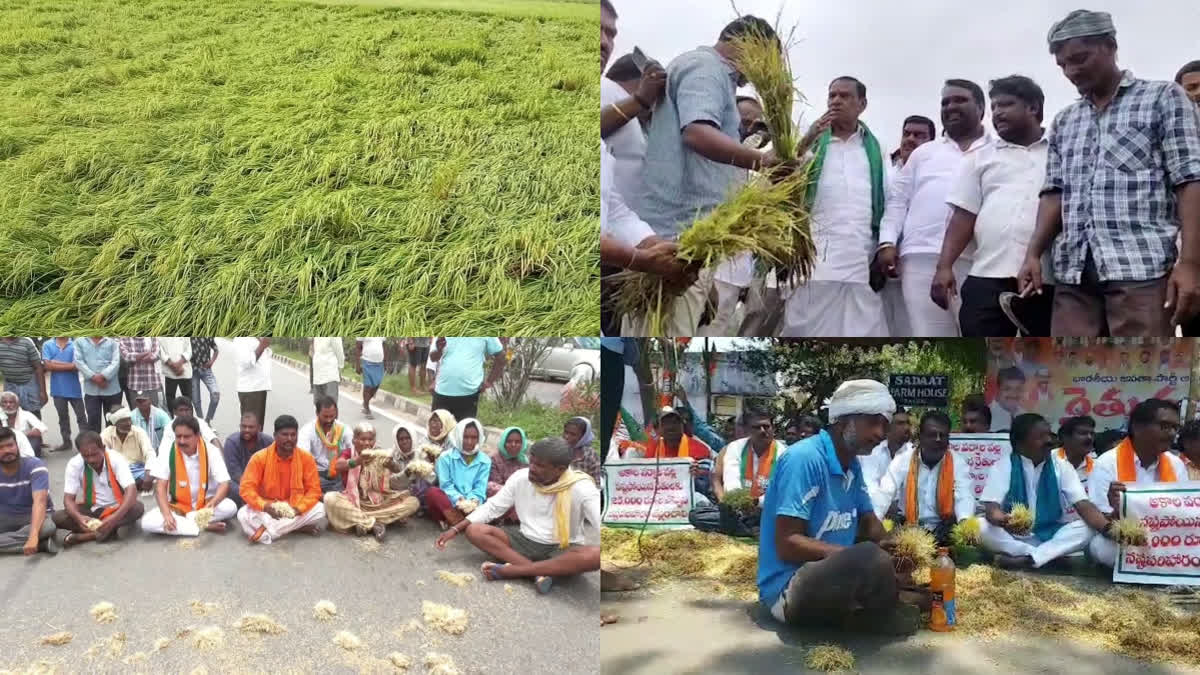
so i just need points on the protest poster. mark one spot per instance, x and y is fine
(650, 492)
(1061, 378)
(980, 452)
(1171, 514)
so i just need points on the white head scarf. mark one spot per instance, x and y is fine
(118, 415)
(456, 434)
(861, 397)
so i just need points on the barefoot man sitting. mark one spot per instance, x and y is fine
(99, 493)
(191, 482)
(559, 510)
(281, 488)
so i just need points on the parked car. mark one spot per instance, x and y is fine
(568, 356)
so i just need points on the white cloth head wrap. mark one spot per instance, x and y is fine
(861, 397)
(118, 415)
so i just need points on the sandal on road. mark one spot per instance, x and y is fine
(491, 570)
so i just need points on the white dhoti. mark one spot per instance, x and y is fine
(893, 308)
(684, 313)
(252, 519)
(925, 318)
(834, 309)
(1104, 550)
(1070, 538)
(185, 526)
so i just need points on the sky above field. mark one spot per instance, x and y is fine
(903, 51)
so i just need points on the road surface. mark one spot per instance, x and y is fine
(152, 580)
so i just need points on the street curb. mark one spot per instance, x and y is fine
(405, 405)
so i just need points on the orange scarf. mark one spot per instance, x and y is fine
(945, 488)
(271, 489)
(332, 443)
(89, 487)
(765, 464)
(1127, 469)
(663, 452)
(1088, 463)
(180, 491)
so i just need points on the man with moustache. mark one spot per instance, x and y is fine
(26, 526)
(1188, 77)
(1122, 182)
(994, 206)
(917, 212)
(916, 131)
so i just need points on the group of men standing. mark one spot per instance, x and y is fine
(1087, 228)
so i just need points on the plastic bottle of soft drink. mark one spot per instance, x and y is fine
(941, 583)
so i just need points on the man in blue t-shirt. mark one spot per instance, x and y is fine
(810, 568)
(58, 356)
(460, 379)
(25, 523)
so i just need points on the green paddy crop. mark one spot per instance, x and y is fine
(249, 167)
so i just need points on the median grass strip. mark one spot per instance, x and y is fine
(239, 167)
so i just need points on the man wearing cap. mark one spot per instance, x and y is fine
(674, 442)
(149, 418)
(133, 443)
(1122, 184)
(810, 570)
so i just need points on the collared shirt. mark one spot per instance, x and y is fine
(460, 480)
(460, 370)
(809, 484)
(143, 375)
(73, 480)
(136, 447)
(874, 466)
(308, 440)
(103, 358)
(206, 432)
(25, 422)
(841, 213)
(678, 185)
(18, 358)
(237, 454)
(1070, 491)
(254, 374)
(536, 511)
(894, 485)
(172, 349)
(203, 349)
(1000, 183)
(627, 144)
(617, 220)
(63, 384)
(328, 359)
(1104, 474)
(917, 213)
(155, 426)
(217, 473)
(732, 476)
(1117, 170)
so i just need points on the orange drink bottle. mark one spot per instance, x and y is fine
(941, 583)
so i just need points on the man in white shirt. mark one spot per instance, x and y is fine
(184, 411)
(328, 359)
(1064, 521)
(546, 546)
(325, 438)
(916, 215)
(1141, 458)
(1078, 437)
(760, 449)
(27, 425)
(994, 207)
(176, 356)
(99, 493)
(916, 131)
(253, 374)
(191, 476)
(624, 93)
(875, 465)
(849, 167)
(1010, 390)
(929, 482)
(368, 362)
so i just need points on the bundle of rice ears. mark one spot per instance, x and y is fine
(1129, 532)
(965, 533)
(914, 545)
(1020, 519)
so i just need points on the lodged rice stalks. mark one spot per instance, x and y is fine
(1020, 520)
(324, 610)
(740, 500)
(259, 624)
(104, 612)
(1130, 532)
(914, 547)
(445, 618)
(965, 533)
(766, 66)
(203, 517)
(285, 509)
(829, 658)
(419, 468)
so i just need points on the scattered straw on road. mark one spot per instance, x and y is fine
(445, 618)
(347, 640)
(324, 610)
(57, 639)
(829, 658)
(104, 612)
(455, 578)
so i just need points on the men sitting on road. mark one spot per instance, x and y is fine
(749, 462)
(25, 505)
(875, 465)
(1063, 518)
(462, 474)
(185, 410)
(367, 504)
(100, 494)
(1077, 435)
(150, 418)
(132, 443)
(1140, 458)
(1189, 448)
(18, 419)
(281, 488)
(929, 482)
(192, 487)
(559, 511)
(810, 570)
(326, 438)
(238, 450)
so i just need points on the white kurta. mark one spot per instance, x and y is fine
(731, 474)
(1104, 474)
(874, 466)
(894, 486)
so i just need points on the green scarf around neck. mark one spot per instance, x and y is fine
(874, 162)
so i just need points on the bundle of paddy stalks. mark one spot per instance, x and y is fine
(965, 533)
(445, 618)
(203, 517)
(467, 505)
(914, 548)
(829, 658)
(324, 610)
(1020, 520)
(1130, 532)
(347, 640)
(259, 624)
(740, 500)
(104, 612)
(440, 664)
(419, 468)
(431, 451)
(284, 509)
(93, 524)
(58, 639)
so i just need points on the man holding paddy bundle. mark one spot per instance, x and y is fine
(845, 198)
(99, 493)
(1046, 484)
(811, 571)
(326, 438)
(192, 488)
(929, 482)
(281, 489)
(1139, 459)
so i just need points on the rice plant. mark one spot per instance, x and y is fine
(240, 167)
